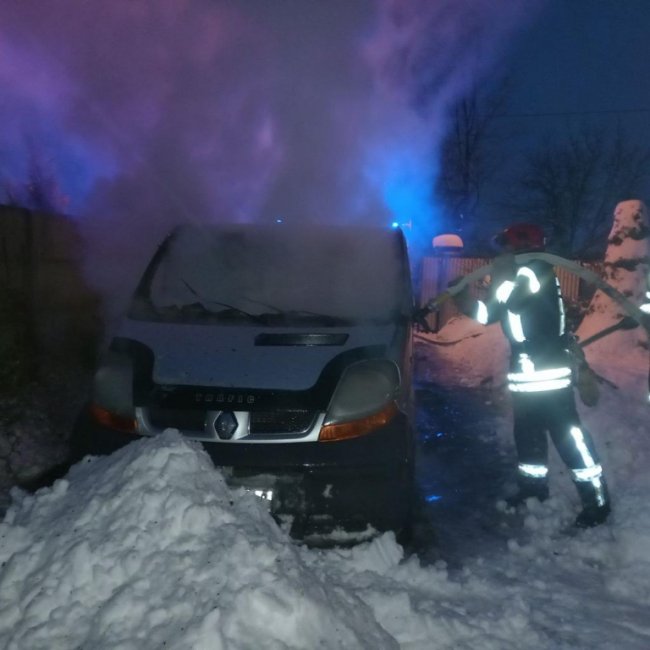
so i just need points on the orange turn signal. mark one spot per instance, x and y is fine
(113, 421)
(332, 432)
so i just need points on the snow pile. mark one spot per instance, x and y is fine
(149, 548)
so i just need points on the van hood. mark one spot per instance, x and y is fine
(287, 358)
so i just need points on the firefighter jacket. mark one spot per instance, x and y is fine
(528, 303)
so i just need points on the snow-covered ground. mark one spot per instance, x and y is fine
(150, 549)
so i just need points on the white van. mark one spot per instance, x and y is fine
(287, 353)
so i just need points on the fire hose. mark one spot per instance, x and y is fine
(635, 316)
(634, 312)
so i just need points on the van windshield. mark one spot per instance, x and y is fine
(275, 276)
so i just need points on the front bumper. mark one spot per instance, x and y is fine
(320, 485)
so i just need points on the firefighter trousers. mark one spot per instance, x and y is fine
(553, 414)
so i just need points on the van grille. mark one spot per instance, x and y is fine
(183, 419)
(264, 423)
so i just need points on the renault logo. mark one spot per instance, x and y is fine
(225, 425)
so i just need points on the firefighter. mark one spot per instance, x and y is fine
(526, 299)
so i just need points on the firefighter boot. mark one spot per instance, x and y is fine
(595, 502)
(529, 488)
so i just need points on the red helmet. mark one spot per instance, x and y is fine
(521, 237)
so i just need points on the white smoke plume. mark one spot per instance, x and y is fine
(153, 112)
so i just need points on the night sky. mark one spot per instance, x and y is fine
(584, 59)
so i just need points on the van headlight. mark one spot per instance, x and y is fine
(363, 400)
(112, 401)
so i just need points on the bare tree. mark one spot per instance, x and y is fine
(571, 187)
(467, 161)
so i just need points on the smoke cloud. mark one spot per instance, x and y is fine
(155, 112)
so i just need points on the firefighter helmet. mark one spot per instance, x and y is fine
(521, 237)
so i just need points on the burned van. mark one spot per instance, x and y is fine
(284, 351)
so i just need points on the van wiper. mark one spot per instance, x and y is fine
(299, 314)
(228, 311)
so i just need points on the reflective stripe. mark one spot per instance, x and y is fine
(530, 380)
(538, 375)
(560, 306)
(581, 445)
(502, 294)
(482, 313)
(645, 308)
(536, 471)
(597, 484)
(515, 327)
(538, 387)
(504, 290)
(600, 491)
(588, 474)
(592, 471)
(532, 278)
